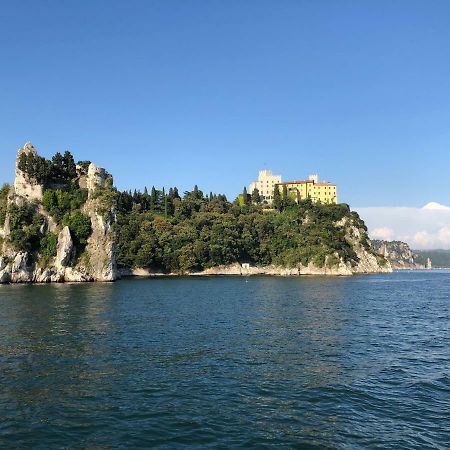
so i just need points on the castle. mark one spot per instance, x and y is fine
(312, 188)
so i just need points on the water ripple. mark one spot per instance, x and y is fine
(309, 363)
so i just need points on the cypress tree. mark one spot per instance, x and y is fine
(245, 196)
(285, 195)
(69, 166)
(276, 197)
(153, 198)
(164, 198)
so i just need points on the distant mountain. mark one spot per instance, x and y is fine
(439, 258)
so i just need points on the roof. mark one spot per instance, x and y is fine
(320, 183)
(297, 182)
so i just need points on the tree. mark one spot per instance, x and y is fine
(176, 194)
(277, 203)
(256, 198)
(153, 199)
(197, 193)
(80, 227)
(285, 195)
(35, 166)
(146, 201)
(164, 196)
(245, 196)
(4, 191)
(69, 166)
(57, 166)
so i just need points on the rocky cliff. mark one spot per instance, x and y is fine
(398, 254)
(59, 222)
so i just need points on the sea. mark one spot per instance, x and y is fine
(358, 362)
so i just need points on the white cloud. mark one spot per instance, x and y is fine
(435, 205)
(421, 228)
(384, 233)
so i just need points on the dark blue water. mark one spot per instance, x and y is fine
(361, 362)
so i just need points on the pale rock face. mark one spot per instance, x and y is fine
(101, 247)
(96, 177)
(64, 249)
(49, 223)
(20, 272)
(368, 263)
(6, 227)
(25, 188)
(48, 275)
(4, 272)
(77, 276)
(398, 253)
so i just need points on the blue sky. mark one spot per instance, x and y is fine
(182, 92)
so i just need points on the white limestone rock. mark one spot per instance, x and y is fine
(25, 188)
(64, 249)
(96, 177)
(77, 276)
(20, 271)
(398, 253)
(367, 261)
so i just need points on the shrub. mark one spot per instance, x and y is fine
(58, 202)
(80, 227)
(25, 226)
(4, 191)
(49, 244)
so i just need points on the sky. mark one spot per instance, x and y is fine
(209, 92)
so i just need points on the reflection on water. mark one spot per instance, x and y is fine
(357, 362)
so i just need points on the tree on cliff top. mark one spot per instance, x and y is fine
(61, 168)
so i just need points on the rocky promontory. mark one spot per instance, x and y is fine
(63, 221)
(58, 222)
(398, 253)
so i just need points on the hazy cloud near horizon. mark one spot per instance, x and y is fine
(422, 228)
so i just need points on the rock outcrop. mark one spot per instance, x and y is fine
(368, 259)
(64, 249)
(96, 263)
(398, 254)
(25, 188)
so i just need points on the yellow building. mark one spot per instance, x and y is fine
(323, 191)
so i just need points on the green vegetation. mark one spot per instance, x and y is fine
(80, 228)
(206, 231)
(277, 201)
(25, 224)
(105, 197)
(49, 244)
(256, 198)
(4, 190)
(60, 169)
(59, 203)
